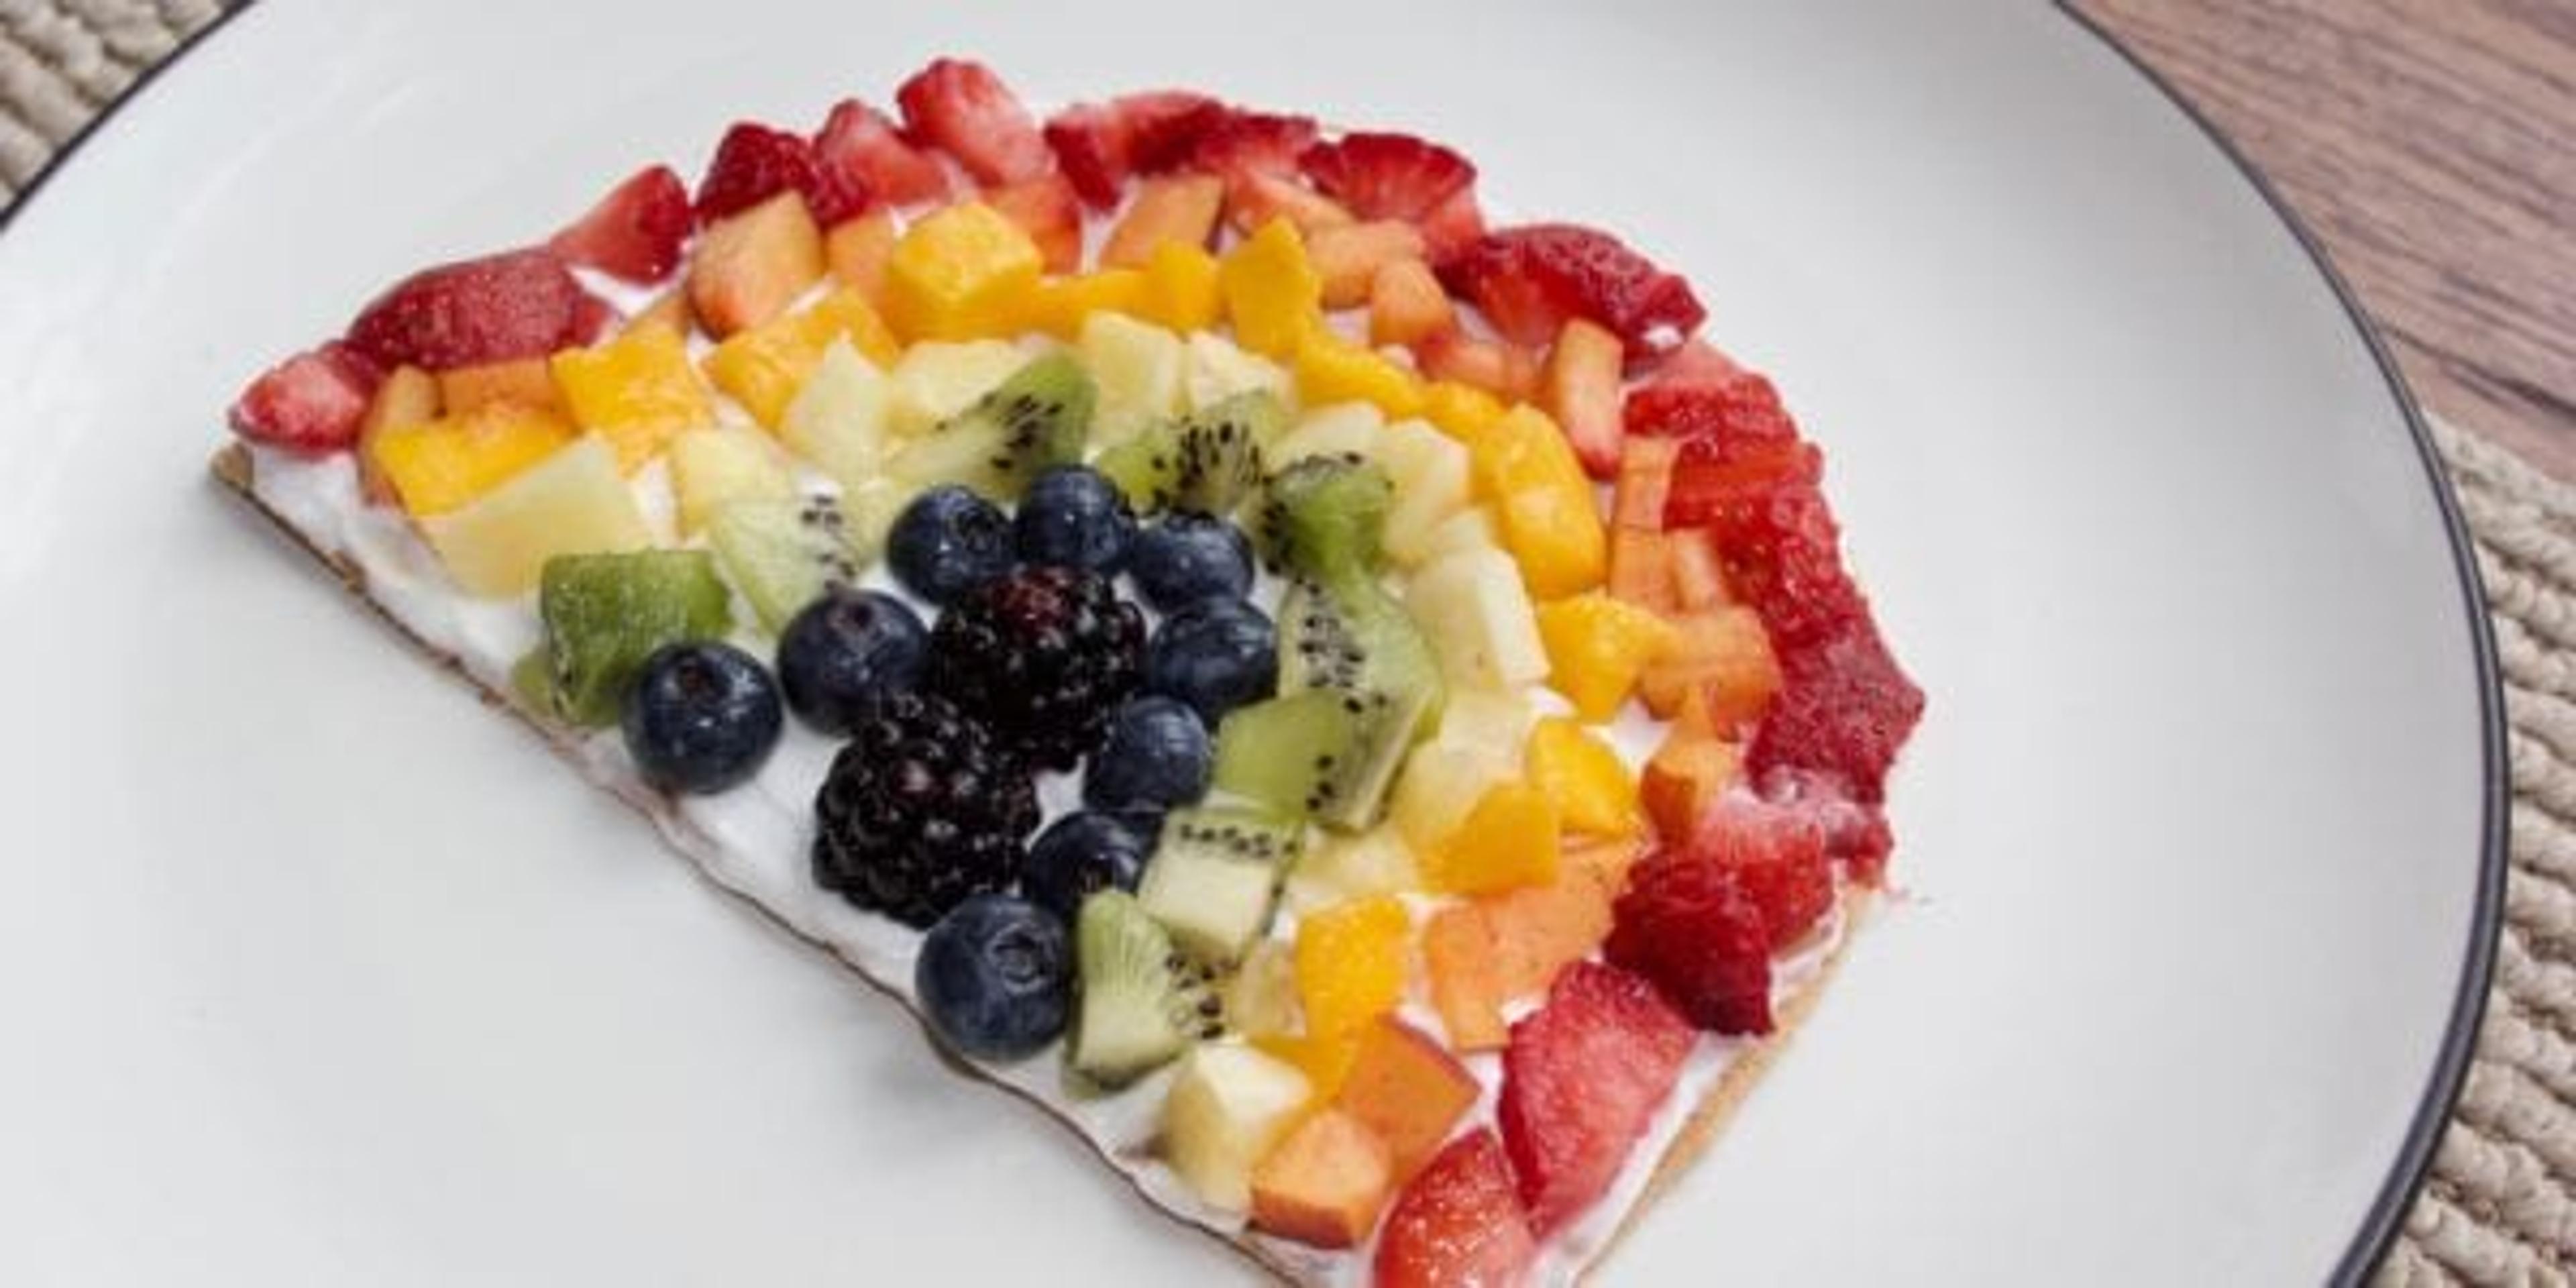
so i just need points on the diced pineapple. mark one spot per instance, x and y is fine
(573, 502)
(1342, 429)
(1219, 370)
(1138, 367)
(1430, 473)
(960, 274)
(715, 467)
(838, 420)
(1376, 861)
(1470, 529)
(1227, 1106)
(1473, 607)
(871, 509)
(936, 380)
(635, 391)
(1508, 840)
(1493, 721)
(1261, 999)
(1442, 781)
(764, 366)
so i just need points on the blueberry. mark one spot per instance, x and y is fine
(948, 542)
(1189, 557)
(1154, 755)
(1216, 655)
(1083, 853)
(1074, 518)
(844, 649)
(701, 717)
(995, 977)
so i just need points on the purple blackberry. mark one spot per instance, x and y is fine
(922, 808)
(1042, 656)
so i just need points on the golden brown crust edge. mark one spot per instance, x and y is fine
(234, 467)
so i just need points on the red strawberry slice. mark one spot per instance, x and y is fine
(1780, 553)
(1528, 280)
(1697, 362)
(635, 232)
(1242, 144)
(1046, 209)
(1458, 1223)
(1453, 226)
(1387, 176)
(1844, 710)
(859, 151)
(754, 163)
(1692, 927)
(1741, 406)
(1165, 126)
(1581, 1079)
(1780, 857)
(1099, 145)
(1856, 835)
(310, 404)
(963, 109)
(1713, 474)
(518, 304)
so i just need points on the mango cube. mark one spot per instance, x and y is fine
(1592, 788)
(1183, 290)
(1351, 963)
(635, 391)
(1463, 412)
(525, 381)
(764, 367)
(1060, 305)
(1597, 646)
(437, 466)
(1508, 840)
(1271, 293)
(959, 274)
(1331, 369)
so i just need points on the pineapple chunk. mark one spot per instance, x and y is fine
(1469, 529)
(936, 380)
(713, 468)
(1478, 616)
(1442, 782)
(1374, 862)
(1431, 476)
(1227, 1106)
(1139, 368)
(573, 502)
(837, 421)
(1343, 429)
(1219, 370)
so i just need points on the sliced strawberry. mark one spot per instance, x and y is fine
(1713, 474)
(752, 164)
(1455, 225)
(517, 304)
(1528, 280)
(1845, 708)
(965, 110)
(1239, 144)
(1581, 1079)
(1780, 858)
(1856, 835)
(1780, 553)
(635, 232)
(859, 151)
(1696, 362)
(1741, 406)
(311, 404)
(1458, 1223)
(1580, 389)
(1691, 927)
(1164, 126)
(1046, 209)
(1387, 176)
(1099, 145)
(592, 319)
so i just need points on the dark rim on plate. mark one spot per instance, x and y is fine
(2468, 1006)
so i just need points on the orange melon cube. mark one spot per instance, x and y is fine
(1331, 370)
(407, 396)
(1183, 289)
(1406, 1090)
(1641, 571)
(635, 391)
(751, 265)
(960, 274)
(1508, 840)
(1254, 200)
(1723, 656)
(1324, 1183)
(525, 381)
(1684, 777)
(1699, 578)
(1271, 292)
(1597, 646)
(442, 465)
(1592, 788)
(1179, 208)
(1465, 978)
(856, 251)
(764, 366)
(1645, 479)
(1537, 930)
(1351, 963)
(1507, 371)
(1348, 256)
(1406, 304)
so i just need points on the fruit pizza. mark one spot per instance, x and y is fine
(1356, 709)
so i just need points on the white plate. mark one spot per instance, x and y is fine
(314, 971)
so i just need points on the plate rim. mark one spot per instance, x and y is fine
(2433, 1110)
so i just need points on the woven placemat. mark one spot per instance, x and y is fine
(2500, 1205)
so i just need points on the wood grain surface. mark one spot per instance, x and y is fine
(2431, 145)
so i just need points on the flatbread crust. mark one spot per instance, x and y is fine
(237, 470)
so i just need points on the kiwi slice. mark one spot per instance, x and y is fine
(605, 614)
(1029, 423)
(1324, 517)
(1214, 878)
(1207, 461)
(1142, 1002)
(1324, 754)
(1352, 637)
(782, 555)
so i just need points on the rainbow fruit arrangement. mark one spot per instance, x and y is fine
(1356, 843)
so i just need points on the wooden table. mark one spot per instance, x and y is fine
(2431, 145)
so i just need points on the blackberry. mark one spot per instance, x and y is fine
(922, 809)
(1042, 656)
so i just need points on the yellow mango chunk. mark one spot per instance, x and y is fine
(764, 367)
(960, 274)
(635, 391)
(439, 465)
(1326, 1061)
(1592, 788)
(1059, 305)
(1551, 520)
(1272, 295)
(1507, 841)
(1182, 288)
(1351, 963)
(1597, 647)
(1332, 370)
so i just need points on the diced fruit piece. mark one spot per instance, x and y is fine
(1271, 293)
(1207, 461)
(1261, 998)
(1778, 854)
(1220, 370)
(1252, 200)
(1699, 577)
(1466, 979)
(1060, 305)
(1845, 708)
(764, 366)
(1528, 280)
(1645, 479)
(407, 396)
(1691, 927)
(634, 391)
(1540, 929)
(1508, 840)
(1480, 620)
(518, 304)
(754, 163)
(669, 310)
(1432, 482)
(1641, 570)
(1324, 1184)
(1348, 430)
(1442, 782)
(1779, 554)
(1388, 176)
(1323, 517)
(1183, 289)
(1307, 755)
(714, 467)
(312, 404)
(1139, 368)
(1712, 478)
(1227, 1107)
(1463, 412)
(1027, 425)
(1580, 388)
(1581, 1080)
(936, 380)
(1376, 861)
(1324, 1060)
(573, 502)
(837, 421)
(1351, 963)
(437, 466)
(857, 251)
(1733, 405)
(1099, 145)
(1406, 304)
(783, 553)
(1457, 1223)
(1348, 636)
(964, 110)
(751, 265)
(1214, 877)
(605, 614)
(1592, 788)
(959, 274)
(1684, 777)
(1136, 1010)
(1550, 520)
(1046, 209)
(1331, 369)
(528, 382)
(1472, 528)
(859, 150)
(1180, 208)
(1597, 646)
(1406, 1090)
(635, 232)
(1348, 257)
(1507, 371)
(1721, 658)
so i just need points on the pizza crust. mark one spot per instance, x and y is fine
(237, 470)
